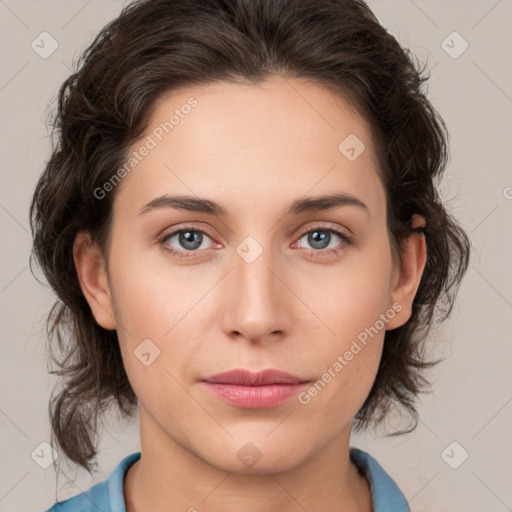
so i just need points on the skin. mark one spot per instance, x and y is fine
(253, 149)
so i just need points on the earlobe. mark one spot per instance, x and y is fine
(408, 275)
(92, 274)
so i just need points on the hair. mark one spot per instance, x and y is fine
(157, 46)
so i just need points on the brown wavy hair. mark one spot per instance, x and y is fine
(157, 46)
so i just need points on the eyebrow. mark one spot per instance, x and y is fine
(301, 205)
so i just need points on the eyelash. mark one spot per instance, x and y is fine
(346, 241)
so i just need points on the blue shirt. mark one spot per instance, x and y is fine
(107, 496)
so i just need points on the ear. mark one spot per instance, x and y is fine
(93, 277)
(407, 276)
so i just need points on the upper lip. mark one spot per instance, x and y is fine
(248, 378)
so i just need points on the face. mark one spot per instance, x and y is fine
(266, 282)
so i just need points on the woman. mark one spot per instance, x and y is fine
(241, 222)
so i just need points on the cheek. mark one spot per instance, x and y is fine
(350, 298)
(160, 310)
(346, 361)
(152, 298)
(350, 302)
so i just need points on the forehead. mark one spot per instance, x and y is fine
(247, 144)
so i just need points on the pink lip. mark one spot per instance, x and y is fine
(248, 390)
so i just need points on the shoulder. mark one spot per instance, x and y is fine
(106, 496)
(95, 499)
(386, 495)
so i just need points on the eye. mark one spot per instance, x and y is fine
(325, 240)
(188, 240)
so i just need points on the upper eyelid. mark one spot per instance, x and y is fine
(325, 227)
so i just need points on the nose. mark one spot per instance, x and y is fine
(257, 304)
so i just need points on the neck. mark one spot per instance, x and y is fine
(170, 477)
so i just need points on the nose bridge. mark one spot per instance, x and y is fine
(254, 309)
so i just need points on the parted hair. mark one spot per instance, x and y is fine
(103, 107)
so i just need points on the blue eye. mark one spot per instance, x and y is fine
(190, 241)
(320, 238)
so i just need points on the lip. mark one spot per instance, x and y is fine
(248, 378)
(254, 390)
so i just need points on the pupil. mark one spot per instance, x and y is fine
(317, 239)
(190, 239)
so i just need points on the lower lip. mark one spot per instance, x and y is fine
(254, 397)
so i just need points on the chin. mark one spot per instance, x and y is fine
(253, 458)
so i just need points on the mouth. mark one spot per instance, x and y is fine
(260, 390)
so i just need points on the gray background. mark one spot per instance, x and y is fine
(472, 393)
